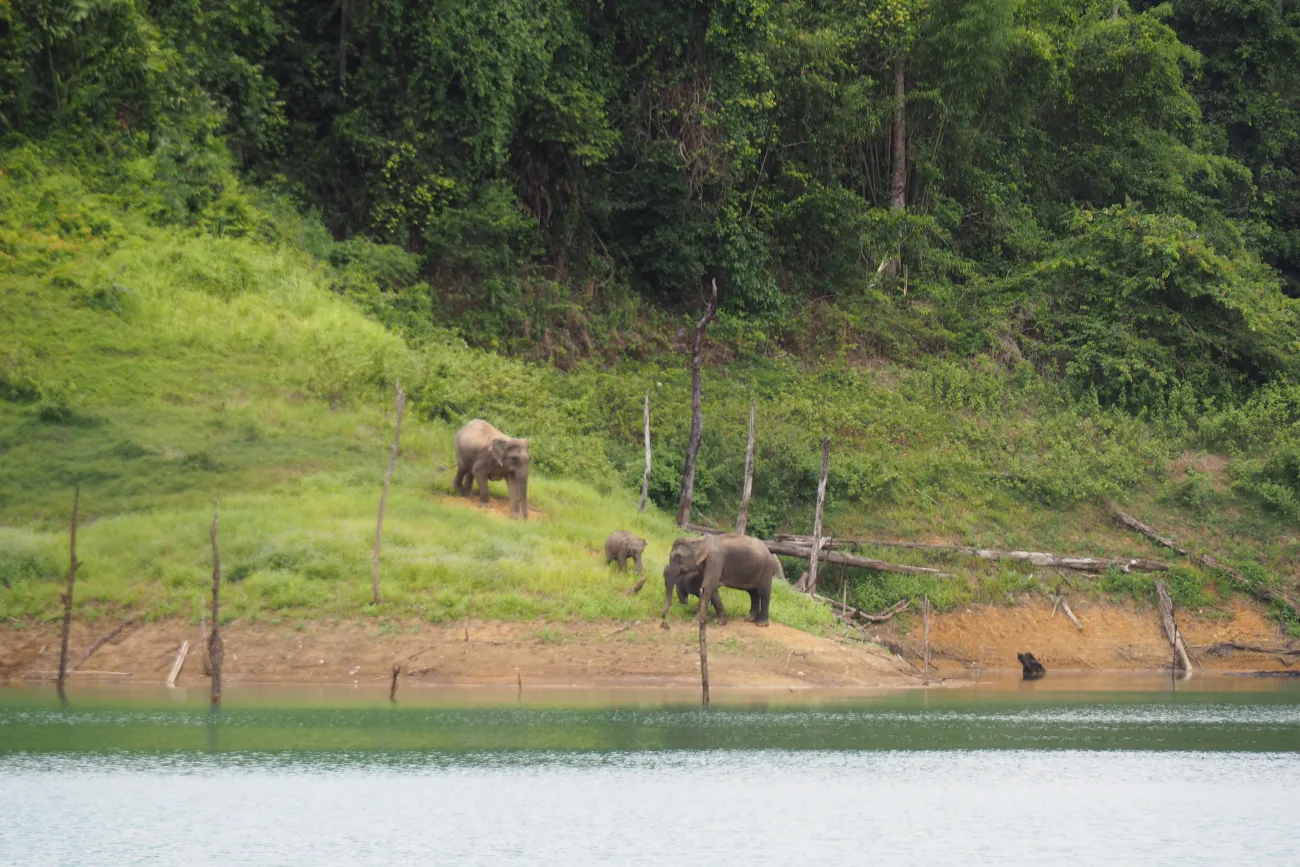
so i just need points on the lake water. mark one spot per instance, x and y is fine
(1122, 772)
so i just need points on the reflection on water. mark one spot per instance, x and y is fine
(989, 776)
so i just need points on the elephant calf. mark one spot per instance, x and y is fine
(726, 560)
(483, 453)
(622, 546)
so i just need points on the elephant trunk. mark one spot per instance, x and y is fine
(520, 493)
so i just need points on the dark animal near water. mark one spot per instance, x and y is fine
(1033, 669)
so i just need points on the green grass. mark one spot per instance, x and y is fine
(161, 366)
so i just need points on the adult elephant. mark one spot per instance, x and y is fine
(726, 560)
(483, 453)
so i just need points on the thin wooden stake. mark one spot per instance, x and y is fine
(67, 597)
(814, 558)
(203, 632)
(519, 682)
(742, 520)
(697, 419)
(645, 479)
(178, 664)
(383, 498)
(216, 648)
(392, 690)
(704, 658)
(925, 607)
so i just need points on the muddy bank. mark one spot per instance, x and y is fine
(493, 653)
(1115, 637)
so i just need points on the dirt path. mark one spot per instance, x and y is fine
(559, 654)
(1114, 637)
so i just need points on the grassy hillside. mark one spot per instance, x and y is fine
(247, 355)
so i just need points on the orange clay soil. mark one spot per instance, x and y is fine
(555, 654)
(1114, 637)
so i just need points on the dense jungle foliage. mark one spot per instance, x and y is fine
(1107, 190)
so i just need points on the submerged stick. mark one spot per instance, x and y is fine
(216, 648)
(383, 498)
(67, 597)
(704, 656)
(178, 664)
(392, 690)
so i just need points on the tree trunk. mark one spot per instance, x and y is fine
(1183, 661)
(67, 597)
(216, 650)
(704, 654)
(898, 190)
(645, 479)
(343, 42)
(742, 519)
(383, 498)
(1038, 558)
(697, 421)
(817, 517)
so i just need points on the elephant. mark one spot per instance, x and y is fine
(483, 453)
(725, 560)
(622, 546)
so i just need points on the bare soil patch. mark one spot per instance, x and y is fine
(559, 654)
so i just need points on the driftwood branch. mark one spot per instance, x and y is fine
(697, 420)
(383, 498)
(1171, 627)
(1037, 558)
(1266, 593)
(854, 613)
(791, 549)
(816, 542)
(1065, 607)
(742, 519)
(67, 596)
(102, 640)
(216, 648)
(178, 664)
(1226, 646)
(645, 479)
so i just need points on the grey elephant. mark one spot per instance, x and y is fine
(483, 453)
(701, 566)
(622, 546)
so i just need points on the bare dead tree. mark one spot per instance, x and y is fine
(216, 649)
(898, 188)
(697, 420)
(817, 517)
(742, 520)
(67, 597)
(102, 640)
(1182, 660)
(925, 606)
(383, 498)
(392, 690)
(645, 479)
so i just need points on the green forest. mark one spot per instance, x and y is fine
(1018, 258)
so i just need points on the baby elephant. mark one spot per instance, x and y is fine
(622, 546)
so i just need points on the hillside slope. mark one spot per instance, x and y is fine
(161, 366)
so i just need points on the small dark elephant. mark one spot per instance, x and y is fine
(622, 546)
(701, 566)
(483, 453)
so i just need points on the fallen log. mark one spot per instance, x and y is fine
(805, 551)
(1266, 593)
(1037, 558)
(1225, 646)
(1171, 627)
(102, 640)
(176, 666)
(1065, 607)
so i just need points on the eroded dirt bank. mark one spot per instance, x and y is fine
(559, 654)
(1114, 637)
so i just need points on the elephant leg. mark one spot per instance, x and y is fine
(721, 612)
(764, 600)
(668, 603)
(753, 606)
(481, 479)
(512, 491)
(637, 558)
(463, 481)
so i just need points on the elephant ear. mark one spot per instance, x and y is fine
(498, 449)
(701, 551)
